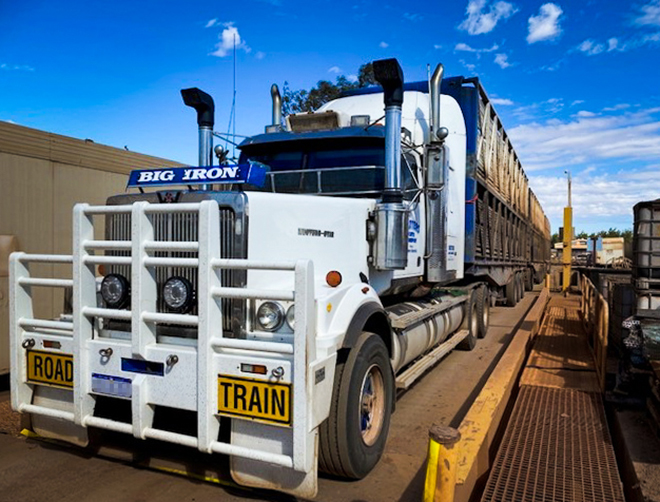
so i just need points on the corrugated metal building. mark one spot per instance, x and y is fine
(42, 175)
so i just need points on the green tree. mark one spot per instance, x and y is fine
(302, 100)
(555, 238)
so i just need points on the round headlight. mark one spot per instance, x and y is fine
(115, 291)
(290, 317)
(178, 294)
(270, 316)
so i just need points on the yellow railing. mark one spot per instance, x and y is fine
(458, 459)
(595, 316)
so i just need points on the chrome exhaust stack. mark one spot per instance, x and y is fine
(277, 105)
(437, 173)
(203, 104)
(391, 240)
(434, 91)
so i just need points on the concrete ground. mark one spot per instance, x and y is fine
(643, 449)
(32, 470)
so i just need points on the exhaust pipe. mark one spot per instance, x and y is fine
(277, 105)
(391, 244)
(389, 75)
(434, 88)
(203, 104)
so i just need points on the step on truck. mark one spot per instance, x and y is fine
(269, 309)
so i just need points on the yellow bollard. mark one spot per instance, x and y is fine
(441, 464)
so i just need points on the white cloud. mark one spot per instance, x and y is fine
(501, 101)
(229, 38)
(553, 66)
(352, 78)
(655, 37)
(613, 44)
(461, 47)
(334, 69)
(591, 48)
(585, 113)
(211, 23)
(479, 22)
(16, 67)
(615, 108)
(502, 60)
(413, 16)
(437, 46)
(627, 136)
(468, 66)
(600, 199)
(383, 45)
(649, 14)
(545, 26)
(260, 55)
(577, 102)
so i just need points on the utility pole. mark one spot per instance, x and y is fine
(567, 253)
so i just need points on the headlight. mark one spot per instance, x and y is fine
(290, 317)
(178, 294)
(115, 291)
(270, 316)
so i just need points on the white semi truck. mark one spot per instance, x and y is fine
(273, 320)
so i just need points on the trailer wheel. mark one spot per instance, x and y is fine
(471, 323)
(529, 280)
(353, 437)
(521, 286)
(511, 289)
(483, 310)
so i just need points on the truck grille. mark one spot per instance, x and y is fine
(180, 227)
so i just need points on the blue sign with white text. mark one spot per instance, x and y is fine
(253, 173)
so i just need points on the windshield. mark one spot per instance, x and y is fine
(348, 168)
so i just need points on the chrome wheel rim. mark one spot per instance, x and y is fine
(372, 405)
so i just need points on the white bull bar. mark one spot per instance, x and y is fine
(78, 337)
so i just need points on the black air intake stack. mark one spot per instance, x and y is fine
(391, 244)
(203, 104)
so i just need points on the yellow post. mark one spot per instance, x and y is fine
(568, 247)
(441, 463)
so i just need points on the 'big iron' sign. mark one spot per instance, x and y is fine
(253, 173)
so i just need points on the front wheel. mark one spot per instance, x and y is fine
(352, 439)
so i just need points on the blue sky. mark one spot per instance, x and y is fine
(576, 83)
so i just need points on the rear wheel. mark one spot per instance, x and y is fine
(521, 286)
(483, 310)
(511, 290)
(471, 323)
(353, 437)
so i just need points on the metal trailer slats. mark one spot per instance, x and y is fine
(504, 220)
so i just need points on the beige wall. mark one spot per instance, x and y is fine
(42, 175)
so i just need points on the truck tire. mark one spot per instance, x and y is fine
(353, 437)
(511, 290)
(471, 323)
(483, 310)
(529, 280)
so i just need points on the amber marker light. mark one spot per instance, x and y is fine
(103, 270)
(333, 278)
(259, 369)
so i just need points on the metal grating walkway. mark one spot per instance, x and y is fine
(557, 446)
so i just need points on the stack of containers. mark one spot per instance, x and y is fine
(646, 273)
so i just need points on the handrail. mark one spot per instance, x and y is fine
(595, 318)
